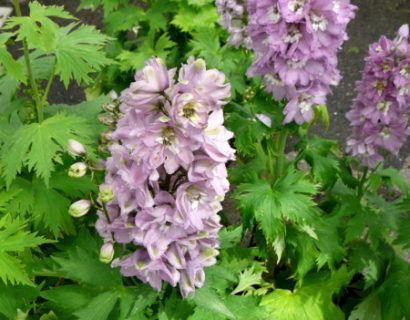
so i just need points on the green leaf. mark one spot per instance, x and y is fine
(68, 298)
(79, 51)
(83, 265)
(39, 145)
(191, 19)
(16, 297)
(247, 279)
(99, 307)
(14, 68)
(368, 309)
(15, 238)
(319, 153)
(124, 19)
(156, 14)
(230, 236)
(289, 197)
(208, 299)
(311, 301)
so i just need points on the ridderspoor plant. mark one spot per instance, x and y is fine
(380, 113)
(233, 19)
(167, 174)
(295, 44)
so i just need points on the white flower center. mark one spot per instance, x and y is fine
(273, 14)
(296, 6)
(293, 35)
(385, 133)
(384, 106)
(274, 80)
(296, 64)
(318, 22)
(305, 102)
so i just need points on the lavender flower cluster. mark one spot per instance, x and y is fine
(167, 174)
(233, 18)
(380, 114)
(295, 43)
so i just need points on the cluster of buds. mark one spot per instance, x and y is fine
(233, 19)
(78, 170)
(166, 176)
(109, 117)
(380, 114)
(295, 43)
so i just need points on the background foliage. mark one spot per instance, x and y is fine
(320, 237)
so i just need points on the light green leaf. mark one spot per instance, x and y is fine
(311, 301)
(39, 146)
(79, 51)
(208, 299)
(247, 279)
(99, 307)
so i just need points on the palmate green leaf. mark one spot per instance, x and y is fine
(39, 145)
(15, 238)
(38, 29)
(170, 312)
(17, 297)
(311, 301)
(124, 19)
(134, 60)
(14, 68)
(190, 18)
(247, 279)
(79, 51)
(83, 265)
(48, 206)
(243, 308)
(157, 11)
(289, 197)
(207, 298)
(319, 154)
(100, 307)
(230, 236)
(368, 309)
(67, 299)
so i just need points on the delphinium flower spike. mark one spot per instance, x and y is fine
(380, 113)
(295, 43)
(167, 174)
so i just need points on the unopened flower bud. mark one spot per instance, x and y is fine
(98, 165)
(106, 136)
(106, 195)
(76, 148)
(77, 170)
(106, 119)
(109, 107)
(79, 208)
(107, 252)
(113, 95)
(103, 148)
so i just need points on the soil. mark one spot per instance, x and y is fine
(373, 18)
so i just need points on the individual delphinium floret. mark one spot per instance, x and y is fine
(380, 113)
(295, 43)
(233, 18)
(167, 173)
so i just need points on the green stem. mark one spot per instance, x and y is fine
(281, 145)
(48, 86)
(360, 191)
(38, 102)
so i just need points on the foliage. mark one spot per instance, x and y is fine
(320, 237)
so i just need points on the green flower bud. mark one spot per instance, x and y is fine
(77, 170)
(107, 252)
(106, 195)
(76, 148)
(79, 208)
